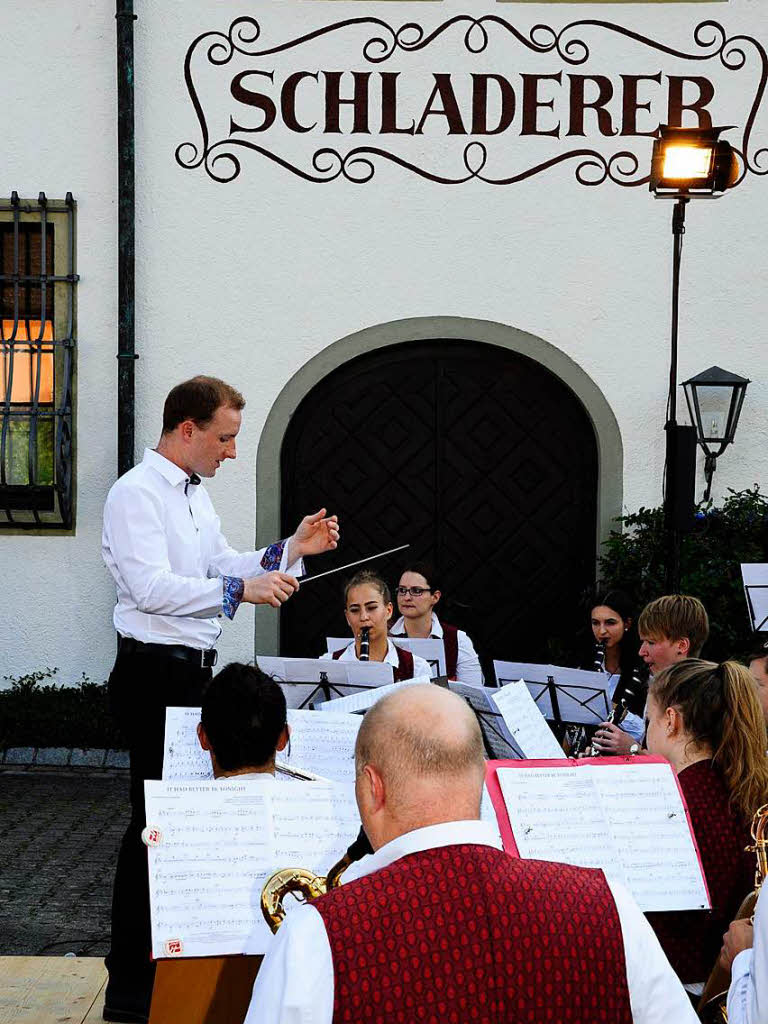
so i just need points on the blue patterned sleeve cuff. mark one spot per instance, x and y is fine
(233, 595)
(273, 556)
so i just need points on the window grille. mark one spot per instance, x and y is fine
(37, 348)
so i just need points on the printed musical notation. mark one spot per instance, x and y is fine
(323, 743)
(525, 721)
(183, 757)
(218, 844)
(627, 819)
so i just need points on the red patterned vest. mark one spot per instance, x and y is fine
(692, 938)
(404, 669)
(468, 933)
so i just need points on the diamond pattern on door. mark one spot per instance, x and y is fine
(480, 458)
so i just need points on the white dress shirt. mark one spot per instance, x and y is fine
(296, 980)
(163, 544)
(748, 994)
(420, 666)
(467, 664)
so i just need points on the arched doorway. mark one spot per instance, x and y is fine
(480, 457)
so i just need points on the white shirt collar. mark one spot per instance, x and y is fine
(449, 833)
(436, 629)
(174, 474)
(350, 654)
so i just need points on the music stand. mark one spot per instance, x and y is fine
(325, 675)
(565, 696)
(430, 649)
(755, 578)
(495, 731)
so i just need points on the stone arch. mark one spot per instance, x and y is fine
(422, 329)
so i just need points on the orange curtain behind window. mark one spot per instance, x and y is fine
(29, 361)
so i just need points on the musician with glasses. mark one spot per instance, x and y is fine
(368, 607)
(439, 924)
(418, 593)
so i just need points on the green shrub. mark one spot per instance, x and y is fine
(710, 557)
(36, 712)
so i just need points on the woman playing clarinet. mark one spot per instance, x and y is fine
(368, 609)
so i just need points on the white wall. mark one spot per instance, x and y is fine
(248, 280)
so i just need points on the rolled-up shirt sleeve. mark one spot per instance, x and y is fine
(135, 549)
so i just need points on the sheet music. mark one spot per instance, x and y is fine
(525, 721)
(215, 848)
(183, 757)
(323, 743)
(755, 577)
(648, 793)
(364, 699)
(626, 819)
(487, 813)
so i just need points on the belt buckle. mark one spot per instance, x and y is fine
(210, 658)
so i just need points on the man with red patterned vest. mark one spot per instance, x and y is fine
(440, 925)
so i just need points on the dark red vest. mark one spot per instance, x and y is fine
(451, 645)
(692, 938)
(468, 933)
(404, 669)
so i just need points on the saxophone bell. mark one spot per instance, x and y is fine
(306, 884)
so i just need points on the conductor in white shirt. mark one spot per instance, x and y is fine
(177, 579)
(439, 918)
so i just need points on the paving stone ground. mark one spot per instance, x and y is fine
(60, 830)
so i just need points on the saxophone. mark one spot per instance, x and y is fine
(712, 1007)
(304, 882)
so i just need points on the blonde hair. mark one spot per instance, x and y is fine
(368, 578)
(674, 617)
(720, 708)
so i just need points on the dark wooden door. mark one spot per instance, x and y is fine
(480, 458)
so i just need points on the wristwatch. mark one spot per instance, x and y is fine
(635, 748)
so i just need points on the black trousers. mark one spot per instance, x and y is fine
(141, 686)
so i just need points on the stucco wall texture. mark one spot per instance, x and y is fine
(251, 279)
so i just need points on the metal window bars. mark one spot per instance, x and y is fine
(37, 348)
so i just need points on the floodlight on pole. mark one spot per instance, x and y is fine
(687, 163)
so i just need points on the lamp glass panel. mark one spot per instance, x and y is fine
(28, 362)
(684, 162)
(714, 403)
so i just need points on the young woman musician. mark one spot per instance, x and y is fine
(368, 608)
(612, 619)
(706, 720)
(417, 595)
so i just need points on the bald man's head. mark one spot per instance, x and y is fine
(422, 747)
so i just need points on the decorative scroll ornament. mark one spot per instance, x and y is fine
(221, 158)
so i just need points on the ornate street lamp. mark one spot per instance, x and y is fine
(687, 163)
(714, 398)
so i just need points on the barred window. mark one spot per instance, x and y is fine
(37, 343)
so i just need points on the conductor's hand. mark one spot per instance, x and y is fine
(272, 588)
(739, 936)
(314, 535)
(610, 739)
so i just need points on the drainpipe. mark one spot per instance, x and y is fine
(126, 236)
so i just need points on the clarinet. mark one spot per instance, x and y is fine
(621, 701)
(365, 643)
(599, 662)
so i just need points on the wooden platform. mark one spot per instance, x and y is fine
(51, 989)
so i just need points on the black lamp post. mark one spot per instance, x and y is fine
(715, 398)
(687, 163)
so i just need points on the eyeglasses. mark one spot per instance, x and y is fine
(413, 591)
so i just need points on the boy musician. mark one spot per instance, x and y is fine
(243, 723)
(671, 628)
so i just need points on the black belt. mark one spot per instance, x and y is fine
(202, 659)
